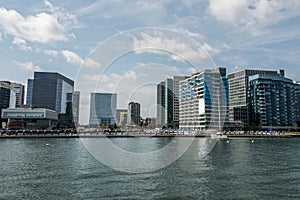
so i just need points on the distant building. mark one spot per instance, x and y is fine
(103, 109)
(134, 113)
(49, 90)
(274, 102)
(11, 96)
(30, 119)
(29, 92)
(4, 101)
(121, 117)
(168, 102)
(76, 107)
(238, 92)
(203, 100)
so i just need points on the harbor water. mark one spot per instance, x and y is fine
(62, 168)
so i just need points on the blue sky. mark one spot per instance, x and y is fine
(129, 46)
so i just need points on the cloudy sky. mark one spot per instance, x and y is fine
(129, 46)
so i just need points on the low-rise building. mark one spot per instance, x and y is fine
(30, 118)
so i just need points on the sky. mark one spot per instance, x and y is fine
(127, 46)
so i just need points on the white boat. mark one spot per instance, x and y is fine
(218, 135)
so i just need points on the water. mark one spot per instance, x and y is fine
(265, 169)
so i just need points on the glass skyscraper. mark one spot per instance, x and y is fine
(49, 90)
(203, 100)
(274, 102)
(238, 90)
(103, 109)
(168, 102)
(134, 113)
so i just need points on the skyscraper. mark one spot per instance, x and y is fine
(75, 104)
(203, 100)
(50, 91)
(4, 99)
(238, 90)
(29, 92)
(103, 109)
(274, 102)
(16, 97)
(134, 113)
(121, 117)
(168, 102)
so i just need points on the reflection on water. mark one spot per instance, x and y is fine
(265, 169)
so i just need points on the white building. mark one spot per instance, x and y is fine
(203, 100)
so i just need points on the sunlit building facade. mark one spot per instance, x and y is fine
(203, 100)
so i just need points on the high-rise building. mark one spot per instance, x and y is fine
(203, 100)
(19, 91)
(75, 104)
(103, 109)
(134, 113)
(16, 93)
(50, 91)
(4, 99)
(238, 90)
(168, 102)
(274, 102)
(121, 117)
(29, 92)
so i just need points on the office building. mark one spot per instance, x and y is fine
(168, 102)
(30, 119)
(29, 92)
(4, 100)
(238, 90)
(103, 109)
(121, 117)
(76, 104)
(49, 90)
(203, 100)
(134, 113)
(274, 102)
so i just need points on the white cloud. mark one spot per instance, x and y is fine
(29, 66)
(51, 53)
(72, 57)
(89, 62)
(44, 27)
(41, 28)
(21, 43)
(253, 14)
(1, 38)
(177, 49)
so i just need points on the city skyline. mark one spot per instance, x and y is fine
(240, 34)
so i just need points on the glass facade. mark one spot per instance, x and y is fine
(168, 102)
(203, 100)
(238, 90)
(29, 92)
(50, 91)
(134, 113)
(274, 102)
(103, 109)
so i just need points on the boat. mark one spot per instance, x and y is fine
(218, 134)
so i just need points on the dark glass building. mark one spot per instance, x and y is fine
(274, 102)
(4, 101)
(50, 91)
(103, 109)
(134, 113)
(29, 92)
(238, 92)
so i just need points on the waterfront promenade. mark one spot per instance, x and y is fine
(77, 134)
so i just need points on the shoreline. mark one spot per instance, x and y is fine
(138, 135)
